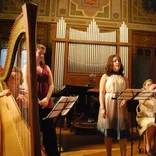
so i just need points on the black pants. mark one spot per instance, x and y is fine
(49, 133)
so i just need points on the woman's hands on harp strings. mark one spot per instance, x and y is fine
(5, 92)
(22, 98)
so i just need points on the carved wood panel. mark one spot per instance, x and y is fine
(144, 58)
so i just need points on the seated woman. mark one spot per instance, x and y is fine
(146, 118)
(15, 89)
(12, 82)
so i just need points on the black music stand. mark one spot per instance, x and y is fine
(134, 94)
(61, 108)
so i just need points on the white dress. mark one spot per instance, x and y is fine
(145, 115)
(115, 125)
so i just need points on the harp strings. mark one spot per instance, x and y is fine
(19, 108)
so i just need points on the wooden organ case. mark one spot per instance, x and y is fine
(18, 136)
(79, 52)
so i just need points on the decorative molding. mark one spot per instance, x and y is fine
(139, 13)
(116, 9)
(90, 8)
(62, 8)
(14, 6)
(142, 27)
(108, 13)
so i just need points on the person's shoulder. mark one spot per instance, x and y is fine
(104, 77)
(47, 68)
(126, 79)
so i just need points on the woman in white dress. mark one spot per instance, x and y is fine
(146, 118)
(113, 113)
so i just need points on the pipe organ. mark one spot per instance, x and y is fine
(89, 57)
(124, 49)
(83, 52)
(59, 55)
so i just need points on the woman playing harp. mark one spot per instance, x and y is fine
(24, 140)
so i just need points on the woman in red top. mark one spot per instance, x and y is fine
(45, 88)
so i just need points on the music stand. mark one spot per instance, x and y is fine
(61, 108)
(134, 94)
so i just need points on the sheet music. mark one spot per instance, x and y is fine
(64, 104)
(137, 94)
(133, 90)
(128, 94)
(70, 100)
(143, 96)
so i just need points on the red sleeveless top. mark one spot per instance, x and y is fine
(43, 86)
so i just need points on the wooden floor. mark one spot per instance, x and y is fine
(91, 144)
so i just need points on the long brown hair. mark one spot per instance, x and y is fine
(109, 66)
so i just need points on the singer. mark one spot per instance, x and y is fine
(113, 113)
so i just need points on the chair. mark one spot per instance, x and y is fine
(142, 139)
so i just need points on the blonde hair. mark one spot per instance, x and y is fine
(148, 80)
(39, 46)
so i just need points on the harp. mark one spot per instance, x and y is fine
(17, 137)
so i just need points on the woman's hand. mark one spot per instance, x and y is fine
(44, 102)
(6, 92)
(103, 113)
(123, 103)
(22, 97)
(152, 87)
